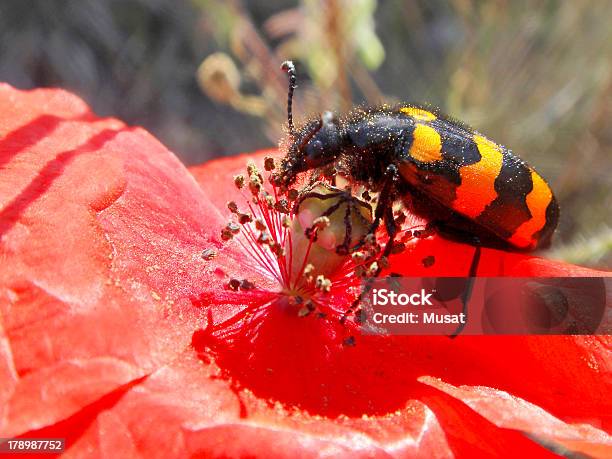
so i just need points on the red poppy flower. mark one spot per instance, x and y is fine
(122, 332)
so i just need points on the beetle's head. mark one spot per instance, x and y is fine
(315, 145)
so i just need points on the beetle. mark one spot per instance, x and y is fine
(470, 187)
(467, 186)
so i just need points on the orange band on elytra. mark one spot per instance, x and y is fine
(426, 144)
(537, 201)
(477, 189)
(419, 114)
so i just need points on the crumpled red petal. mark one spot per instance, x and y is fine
(510, 412)
(102, 230)
(105, 303)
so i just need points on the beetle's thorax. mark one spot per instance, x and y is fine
(371, 143)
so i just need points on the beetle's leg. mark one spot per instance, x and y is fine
(385, 199)
(314, 194)
(384, 210)
(391, 232)
(344, 248)
(314, 178)
(351, 207)
(442, 228)
(344, 198)
(467, 292)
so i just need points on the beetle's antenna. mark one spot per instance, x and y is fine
(289, 67)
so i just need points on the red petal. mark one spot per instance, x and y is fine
(102, 230)
(511, 412)
(216, 176)
(205, 415)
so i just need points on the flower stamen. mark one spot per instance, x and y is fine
(304, 240)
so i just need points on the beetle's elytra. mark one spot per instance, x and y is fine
(451, 172)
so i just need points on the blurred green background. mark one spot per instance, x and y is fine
(203, 76)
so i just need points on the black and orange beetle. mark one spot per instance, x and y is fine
(466, 185)
(455, 176)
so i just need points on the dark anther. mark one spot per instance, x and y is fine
(342, 249)
(209, 254)
(428, 261)
(269, 163)
(233, 284)
(247, 285)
